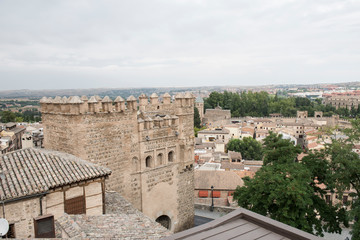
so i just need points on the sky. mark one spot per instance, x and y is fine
(177, 43)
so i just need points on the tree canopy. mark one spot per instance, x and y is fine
(345, 166)
(249, 148)
(279, 150)
(197, 120)
(261, 104)
(288, 191)
(27, 116)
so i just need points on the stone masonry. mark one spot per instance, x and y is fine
(149, 146)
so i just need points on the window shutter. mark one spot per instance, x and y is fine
(44, 226)
(75, 205)
(216, 194)
(203, 193)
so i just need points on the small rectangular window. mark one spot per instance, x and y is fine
(75, 205)
(11, 232)
(44, 226)
(345, 200)
(327, 199)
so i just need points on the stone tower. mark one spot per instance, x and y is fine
(302, 114)
(199, 103)
(148, 146)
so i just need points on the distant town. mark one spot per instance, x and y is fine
(207, 151)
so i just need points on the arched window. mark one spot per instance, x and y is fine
(135, 164)
(165, 221)
(148, 162)
(160, 159)
(171, 156)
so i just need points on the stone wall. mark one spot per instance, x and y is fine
(217, 117)
(146, 147)
(186, 199)
(27, 209)
(52, 203)
(342, 101)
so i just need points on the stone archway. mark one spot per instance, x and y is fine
(165, 221)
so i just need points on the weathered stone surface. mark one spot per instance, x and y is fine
(151, 160)
(122, 221)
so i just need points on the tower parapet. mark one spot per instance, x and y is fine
(147, 143)
(76, 105)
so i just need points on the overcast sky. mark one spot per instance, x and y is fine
(90, 44)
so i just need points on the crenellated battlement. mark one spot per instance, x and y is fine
(75, 105)
(148, 143)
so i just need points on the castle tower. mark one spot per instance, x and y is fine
(199, 104)
(302, 114)
(149, 148)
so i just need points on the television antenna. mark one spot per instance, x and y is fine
(4, 227)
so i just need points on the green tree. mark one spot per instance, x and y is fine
(248, 147)
(196, 130)
(288, 191)
(19, 119)
(197, 121)
(277, 149)
(7, 116)
(234, 145)
(345, 165)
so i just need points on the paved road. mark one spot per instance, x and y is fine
(198, 220)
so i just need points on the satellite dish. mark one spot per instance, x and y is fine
(4, 226)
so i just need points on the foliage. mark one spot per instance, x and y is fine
(345, 165)
(7, 116)
(248, 147)
(197, 120)
(27, 116)
(288, 191)
(196, 130)
(277, 149)
(261, 104)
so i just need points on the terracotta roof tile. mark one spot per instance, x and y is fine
(30, 171)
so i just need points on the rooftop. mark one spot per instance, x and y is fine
(32, 171)
(121, 221)
(215, 131)
(243, 224)
(226, 180)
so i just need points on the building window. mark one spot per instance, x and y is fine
(165, 221)
(44, 226)
(148, 162)
(345, 200)
(327, 199)
(160, 159)
(11, 231)
(75, 205)
(171, 156)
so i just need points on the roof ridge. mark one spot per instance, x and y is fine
(29, 171)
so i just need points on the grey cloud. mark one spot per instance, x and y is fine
(178, 43)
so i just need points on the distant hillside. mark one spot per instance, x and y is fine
(111, 92)
(126, 92)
